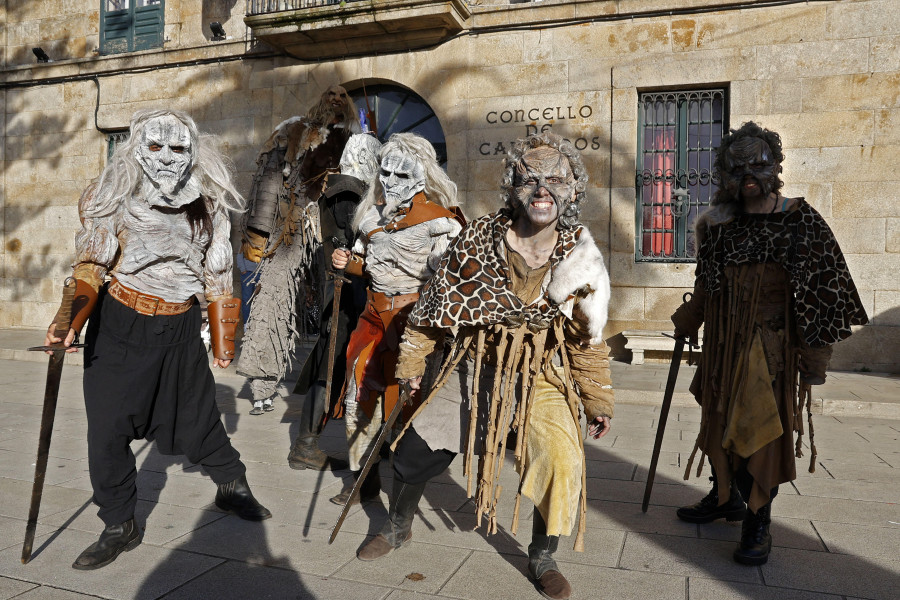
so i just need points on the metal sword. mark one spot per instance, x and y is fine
(405, 397)
(51, 394)
(664, 410)
(339, 280)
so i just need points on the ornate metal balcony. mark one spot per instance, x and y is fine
(320, 29)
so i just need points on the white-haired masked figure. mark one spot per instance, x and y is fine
(282, 238)
(157, 226)
(404, 224)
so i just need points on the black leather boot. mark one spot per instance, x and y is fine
(397, 531)
(541, 564)
(305, 453)
(708, 509)
(236, 497)
(114, 540)
(370, 490)
(756, 542)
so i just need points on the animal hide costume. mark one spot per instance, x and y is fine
(774, 293)
(528, 356)
(290, 177)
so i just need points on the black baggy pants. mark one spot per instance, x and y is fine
(148, 378)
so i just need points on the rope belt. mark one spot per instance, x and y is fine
(382, 303)
(146, 304)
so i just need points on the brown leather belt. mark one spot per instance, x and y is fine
(146, 304)
(383, 303)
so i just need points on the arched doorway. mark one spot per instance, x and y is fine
(397, 109)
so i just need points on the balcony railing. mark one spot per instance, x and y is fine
(261, 7)
(322, 29)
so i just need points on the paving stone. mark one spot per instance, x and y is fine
(261, 582)
(786, 533)
(867, 473)
(273, 544)
(860, 540)
(15, 496)
(833, 573)
(145, 573)
(10, 588)
(436, 563)
(20, 465)
(12, 531)
(855, 490)
(710, 589)
(50, 593)
(836, 510)
(684, 556)
(162, 523)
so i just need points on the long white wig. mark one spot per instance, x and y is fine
(438, 186)
(123, 175)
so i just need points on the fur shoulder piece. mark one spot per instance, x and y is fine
(583, 274)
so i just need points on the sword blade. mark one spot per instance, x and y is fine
(332, 339)
(370, 461)
(51, 394)
(663, 417)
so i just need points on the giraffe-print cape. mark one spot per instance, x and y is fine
(826, 303)
(471, 286)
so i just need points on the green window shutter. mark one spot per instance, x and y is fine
(148, 27)
(131, 27)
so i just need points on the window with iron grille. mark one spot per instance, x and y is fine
(113, 141)
(678, 132)
(131, 25)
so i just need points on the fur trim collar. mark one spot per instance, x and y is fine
(583, 274)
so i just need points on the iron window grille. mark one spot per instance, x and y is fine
(678, 132)
(131, 25)
(113, 140)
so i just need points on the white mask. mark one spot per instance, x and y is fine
(402, 177)
(165, 154)
(360, 157)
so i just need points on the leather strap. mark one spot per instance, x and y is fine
(224, 316)
(421, 210)
(146, 304)
(383, 303)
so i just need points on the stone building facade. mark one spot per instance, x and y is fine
(825, 74)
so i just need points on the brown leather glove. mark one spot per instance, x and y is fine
(224, 316)
(81, 307)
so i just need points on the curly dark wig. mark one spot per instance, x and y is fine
(747, 130)
(568, 215)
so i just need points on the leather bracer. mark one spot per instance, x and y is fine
(223, 315)
(355, 265)
(81, 308)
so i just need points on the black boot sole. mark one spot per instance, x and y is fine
(753, 561)
(126, 548)
(234, 511)
(731, 515)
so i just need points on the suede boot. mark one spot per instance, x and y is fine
(236, 497)
(541, 565)
(756, 542)
(305, 453)
(370, 490)
(708, 509)
(114, 540)
(397, 531)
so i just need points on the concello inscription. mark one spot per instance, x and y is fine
(539, 119)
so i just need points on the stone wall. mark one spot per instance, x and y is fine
(826, 75)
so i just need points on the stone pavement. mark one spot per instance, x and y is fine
(836, 531)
